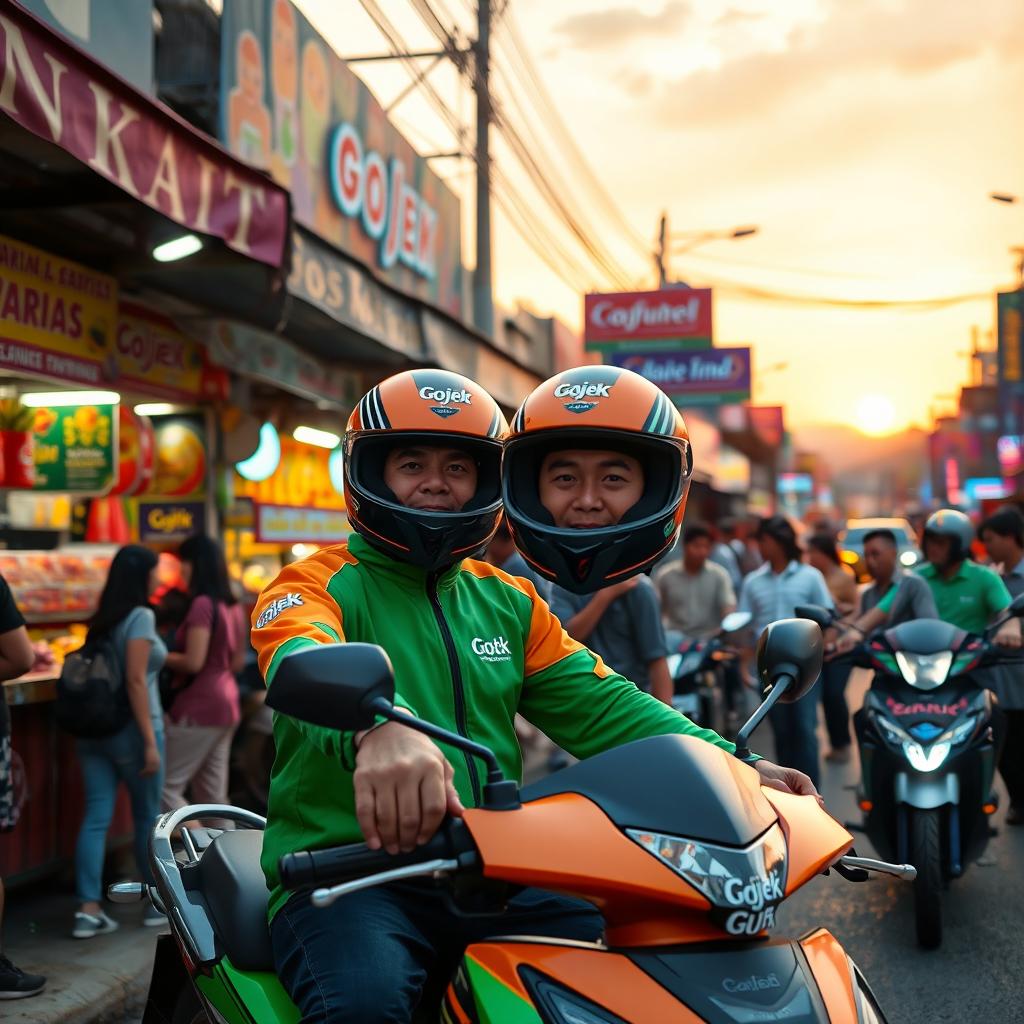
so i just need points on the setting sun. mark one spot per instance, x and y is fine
(875, 415)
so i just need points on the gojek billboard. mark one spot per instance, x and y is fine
(670, 318)
(292, 107)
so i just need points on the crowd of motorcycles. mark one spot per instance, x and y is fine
(689, 890)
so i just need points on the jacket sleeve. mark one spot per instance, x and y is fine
(294, 612)
(571, 695)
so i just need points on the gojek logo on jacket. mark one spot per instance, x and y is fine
(275, 608)
(492, 650)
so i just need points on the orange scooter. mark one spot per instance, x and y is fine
(689, 877)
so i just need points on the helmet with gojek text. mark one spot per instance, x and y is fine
(432, 408)
(598, 408)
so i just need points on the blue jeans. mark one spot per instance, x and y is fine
(372, 955)
(796, 733)
(106, 762)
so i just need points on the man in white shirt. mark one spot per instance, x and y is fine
(773, 592)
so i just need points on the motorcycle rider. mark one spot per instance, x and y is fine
(470, 646)
(966, 594)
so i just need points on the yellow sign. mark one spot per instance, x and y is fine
(57, 318)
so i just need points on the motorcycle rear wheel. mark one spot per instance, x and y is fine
(926, 856)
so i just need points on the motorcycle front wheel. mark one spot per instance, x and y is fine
(926, 856)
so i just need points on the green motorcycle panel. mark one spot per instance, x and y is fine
(247, 997)
(496, 1003)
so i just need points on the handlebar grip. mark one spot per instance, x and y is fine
(308, 868)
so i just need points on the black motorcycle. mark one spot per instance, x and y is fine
(696, 668)
(927, 751)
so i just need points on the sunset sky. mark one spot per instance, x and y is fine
(862, 138)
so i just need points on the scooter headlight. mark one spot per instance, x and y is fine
(924, 671)
(891, 731)
(560, 1005)
(926, 760)
(962, 731)
(742, 886)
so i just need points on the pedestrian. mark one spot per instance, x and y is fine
(881, 557)
(501, 551)
(1002, 533)
(823, 555)
(16, 658)
(722, 553)
(773, 592)
(696, 594)
(134, 754)
(209, 650)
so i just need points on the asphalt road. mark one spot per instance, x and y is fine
(978, 973)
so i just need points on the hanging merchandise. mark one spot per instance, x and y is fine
(16, 423)
(180, 456)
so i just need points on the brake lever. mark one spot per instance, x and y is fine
(851, 874)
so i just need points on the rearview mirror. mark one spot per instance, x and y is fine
(333, 685)
(735, 621)
(816, 613)
(790, 648)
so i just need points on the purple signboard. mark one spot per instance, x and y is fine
(704, 377)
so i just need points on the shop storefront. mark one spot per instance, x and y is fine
(110, 411)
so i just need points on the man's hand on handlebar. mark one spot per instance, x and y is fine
(788, 780)
(403, 788)
(1008, 634)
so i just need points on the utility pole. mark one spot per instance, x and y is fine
(483, 298)
(659, 255)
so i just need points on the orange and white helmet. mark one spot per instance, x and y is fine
(597, 407)
(434, 408)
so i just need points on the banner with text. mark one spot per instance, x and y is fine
(54, 90)
(290, 106)
(676, 317)
(706, 377)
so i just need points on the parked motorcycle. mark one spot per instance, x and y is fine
(696, 670)
(689, 886)
(927, 752)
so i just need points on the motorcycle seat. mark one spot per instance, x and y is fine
(235, 890)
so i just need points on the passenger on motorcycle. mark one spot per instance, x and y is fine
(966, 594)
(470, 646)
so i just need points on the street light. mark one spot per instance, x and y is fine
(1002, 197)
(680, 242)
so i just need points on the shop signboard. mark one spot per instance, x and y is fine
(286, 524)
(57, 318)
(290, 106)
(670, 317)
(118, 33)
(343, 290)
(264, 356)
(55, 91)
(303, 478)
(76, 448)
(154, 356)
(170, 522)
(704, 377)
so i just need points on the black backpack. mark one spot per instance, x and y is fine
(91, 697)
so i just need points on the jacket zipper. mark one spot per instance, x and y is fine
(457, 689)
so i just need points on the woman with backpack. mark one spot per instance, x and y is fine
(124, 624)
(204, 712)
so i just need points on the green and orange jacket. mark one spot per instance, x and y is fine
(471, 647)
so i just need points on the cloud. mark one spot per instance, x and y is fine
(916, 38)
(598, 30)
(735, 18)
(636, 83)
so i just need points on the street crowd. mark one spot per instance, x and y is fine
(182, 657)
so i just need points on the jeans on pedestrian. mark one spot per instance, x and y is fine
(107, 761)
(369, 957)
(834, 677)
(796, 734)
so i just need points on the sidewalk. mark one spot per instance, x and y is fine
(89, 981)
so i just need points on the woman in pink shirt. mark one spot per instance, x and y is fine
(210, 648)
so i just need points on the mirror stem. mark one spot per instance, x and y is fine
(779, 687)
(499, 792)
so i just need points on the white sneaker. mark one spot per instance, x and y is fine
(152, 917)
(89, 925)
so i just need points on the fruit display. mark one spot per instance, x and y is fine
(55, 584)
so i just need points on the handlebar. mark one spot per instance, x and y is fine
(308, 868)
